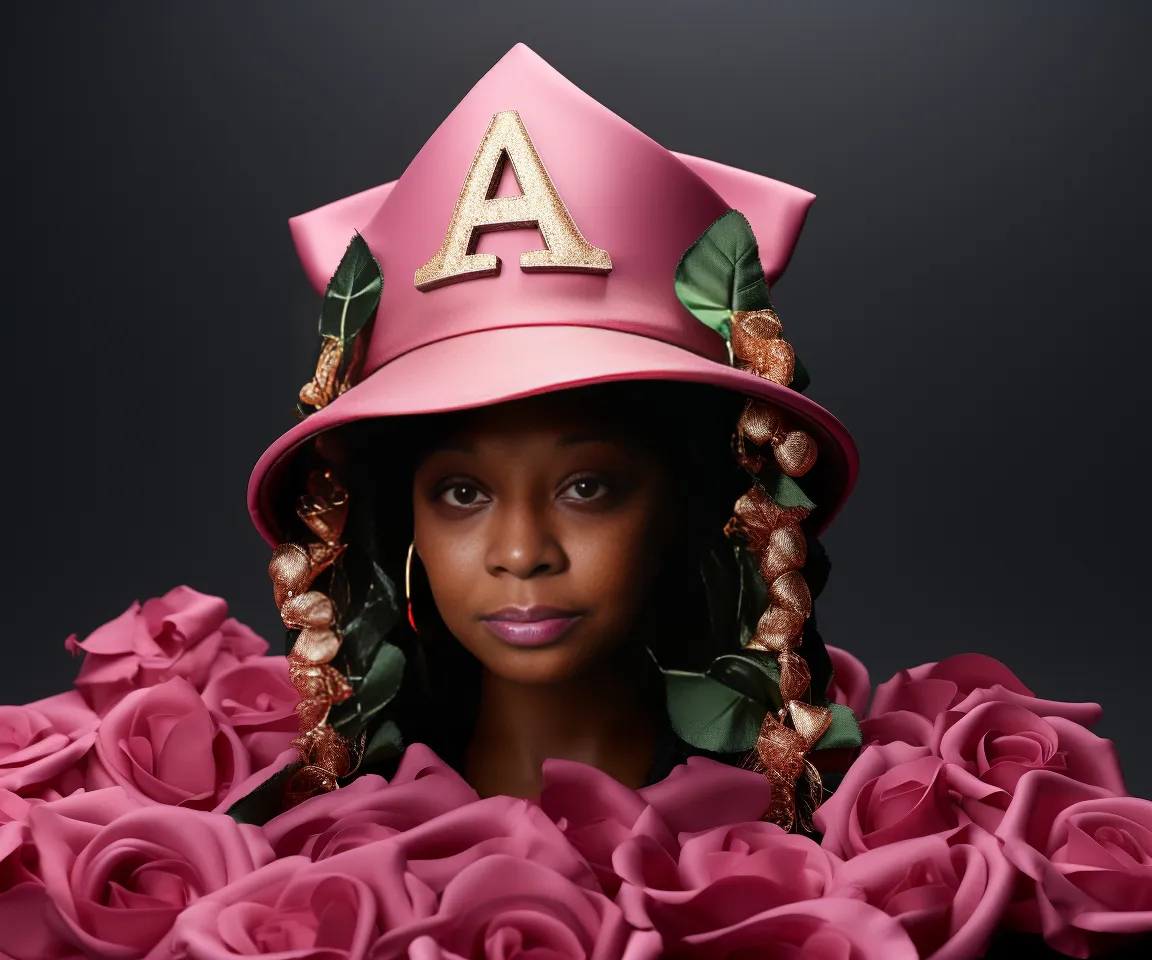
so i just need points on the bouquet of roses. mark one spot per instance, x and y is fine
(975, 808)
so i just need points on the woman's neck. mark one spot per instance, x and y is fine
(608, 717)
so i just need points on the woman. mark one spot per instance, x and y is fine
(574, 541)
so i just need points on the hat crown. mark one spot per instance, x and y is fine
(630, 199)
(588, 233)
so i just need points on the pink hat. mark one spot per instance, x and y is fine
(616, 212)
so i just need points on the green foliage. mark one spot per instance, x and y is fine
(710, 716)
(721, 273)
(385, 745)
(266, 801)
(785, 491)
(349, 305)
(844, 731)
(353, 293)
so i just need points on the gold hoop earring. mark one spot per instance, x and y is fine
(408, 585)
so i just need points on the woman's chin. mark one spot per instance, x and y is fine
(551, 663)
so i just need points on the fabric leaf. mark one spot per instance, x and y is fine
(800, 379)
(349, 305)
(378, 614)
(353, 293)
(844, 730)
(786, 491)
(265, 801)
(721, 273)
(382, 682)
(816, 656)
(384, 745)
(710, 716)
(368, 655)
(753, 673)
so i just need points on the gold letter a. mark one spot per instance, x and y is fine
(539, 205)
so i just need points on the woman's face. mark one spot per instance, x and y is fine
(541, 524)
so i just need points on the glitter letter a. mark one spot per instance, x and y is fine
(478, 209)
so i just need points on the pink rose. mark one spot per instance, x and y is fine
(905, 707)
(1090, 856)
(284, 910)
(851, 685)
(164, 745)
(723, 877)
(258, 700)
(598, 813)
(117, 888)
(949, 895)
(1000, 742)
(337, 907)
(42, 745)
(895, 792)
(825, 929)
(370, 808)
(181, 634)
(504, 906)
(28, 919)
(414, 867)
(701, 794)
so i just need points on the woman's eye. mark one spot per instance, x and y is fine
(462, 495)
(586, 488)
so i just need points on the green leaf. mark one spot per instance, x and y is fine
(266, 800)
(710, 716)
(786, 491)
(379, 612)
(368, 655)
(384, 745)
(800, 379)
(844, 731)
(383, 680)
(816, 656)
(373, 693)
(754, 674)
(721, 273)
(353, 293)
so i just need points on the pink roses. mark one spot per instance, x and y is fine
(116, 876)
(181, 634)
(163, 744)
(42, 743)
(1089, 855)
(975, 807)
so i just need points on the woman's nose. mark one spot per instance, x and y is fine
(523, 543)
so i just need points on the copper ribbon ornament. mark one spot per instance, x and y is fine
(326, 756)
(773, 535)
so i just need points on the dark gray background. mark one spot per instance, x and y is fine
(970, 293)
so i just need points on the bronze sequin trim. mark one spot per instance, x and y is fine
(326, 755)
(774, 537)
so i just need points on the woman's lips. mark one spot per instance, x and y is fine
(532, 627)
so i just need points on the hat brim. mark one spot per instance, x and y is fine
(494, 366)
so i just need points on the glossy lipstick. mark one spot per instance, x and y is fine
(530, 626)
